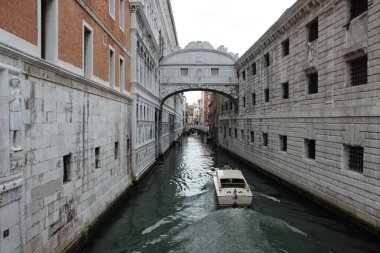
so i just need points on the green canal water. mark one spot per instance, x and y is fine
(174, 210)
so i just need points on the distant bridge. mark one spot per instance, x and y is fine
(202, 128)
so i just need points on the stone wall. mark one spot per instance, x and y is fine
(73, 147)
(338, 116)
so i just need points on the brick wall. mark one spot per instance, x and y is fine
(20, 18)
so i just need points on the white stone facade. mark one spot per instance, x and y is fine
(153, 36)
(340, 115)
(61, 185)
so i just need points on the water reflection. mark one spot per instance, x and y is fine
(175, 210)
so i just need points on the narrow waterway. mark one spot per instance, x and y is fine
(175, 210)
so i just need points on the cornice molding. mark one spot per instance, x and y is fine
(283, 25)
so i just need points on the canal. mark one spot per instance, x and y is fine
(175, 210)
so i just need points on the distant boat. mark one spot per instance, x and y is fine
(232, 189)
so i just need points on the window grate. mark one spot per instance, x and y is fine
(310, 148)
(184, 72)
(97, 157)
(285, 90)
(358, 7)
(285, 47)
(283, 142)
(313, 30)
(359, 73)
(313, 83)
(265, 139)
(267, 60)
(266, 95)
(254, 69)
(355, 161)
(214, 71)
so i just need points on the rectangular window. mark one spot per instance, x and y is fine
(252, 136)
(48, 34)
(112, 8)
(121, 75)
(116, 150)
(313, 30)
(225, 132)
(243, 101)
(214, 72)
(285, 90)
(312, 80)
(265, 139)
(285, 47)
(184, 71)
(242, 134)
(355, 156)
(66, 168)
(359, 71)
(87, 52)
(243, 74)
(254, 69)
(267, 60)
(310, 149)
(235, 133)
(111, 68)
(358, 7)
(121, 16)
(266, 95)
(97, 157)
(283, 142)
(230, 132)
(253, 98)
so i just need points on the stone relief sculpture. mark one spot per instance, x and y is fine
(311, 52)
(15, 113)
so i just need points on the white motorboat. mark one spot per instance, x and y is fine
(232, 189)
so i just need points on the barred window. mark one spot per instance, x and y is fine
(252, 136)
(313, 30)
(66, 168)
(243, 101)
(310, 149)
(265, 139)
(355, 158)
(97, 157)
(243, 74)
(359, 68)
(235, 133)
(312, 83)
(253, 98)
(285, 47)
(266, 95)
(358, 7)
(254, 68)
(214, 71)
(184, 71)
(283, 142)
(285, 90)
(267, 60)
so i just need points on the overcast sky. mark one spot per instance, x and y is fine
(235, 24)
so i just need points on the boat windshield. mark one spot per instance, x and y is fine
(232, 183)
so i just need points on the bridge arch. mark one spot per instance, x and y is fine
(199, 67)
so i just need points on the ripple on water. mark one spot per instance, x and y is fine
(236, 230)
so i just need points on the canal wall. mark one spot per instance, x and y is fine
(66, 161)
(308, 113)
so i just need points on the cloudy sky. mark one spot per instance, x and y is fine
(235, 24)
